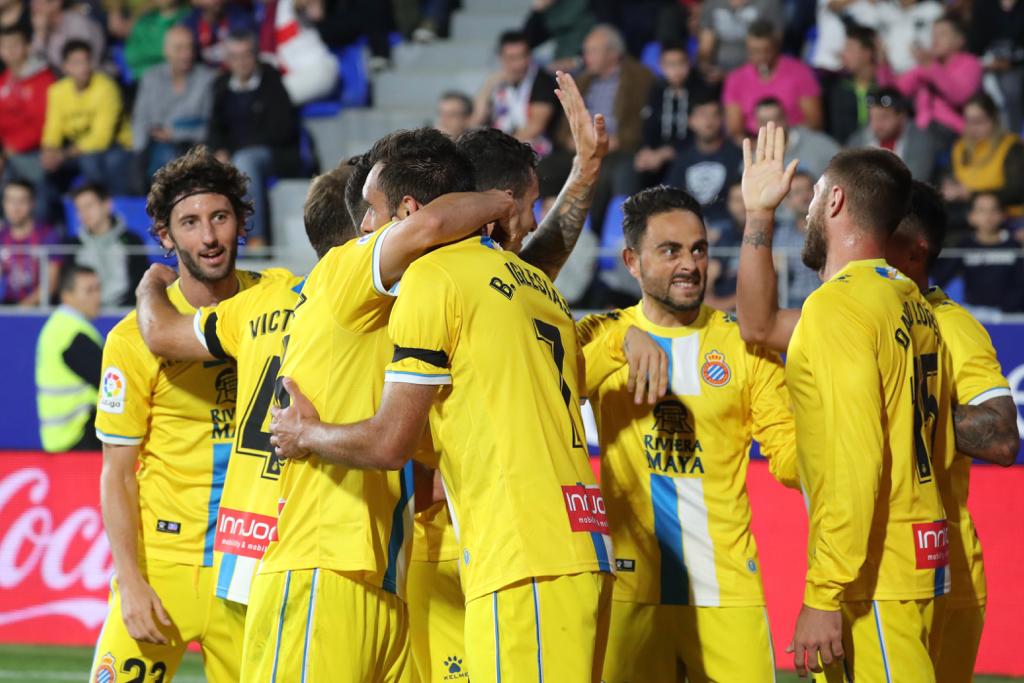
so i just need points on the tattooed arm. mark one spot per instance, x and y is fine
(765, 183)
(988, 431)
(557, 234)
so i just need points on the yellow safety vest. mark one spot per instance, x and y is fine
(64, 399)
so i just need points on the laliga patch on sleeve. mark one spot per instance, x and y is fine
(931, 544)
(113, 389)
(585, 507)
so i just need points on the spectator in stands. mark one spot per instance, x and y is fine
(145, 45)
(665, 126)
(906, 28)
(890, 127)
(813, 148)
(342, 22)
(23, 87)
(710, 163)
(20, 271)
(996, 35)
(848, 96)
(835, 19)
(987, 158)
(86, 130)
(616, 86)
(768, 73)
(69, 357)
(308, 69)
(724, 26)
(993, 269)
(454, 110)
(724, 237)
(53, 27)
(173, 104)
(212, 22)
(16, 13)
(566, 22)
(105, 245)
(944, 79)
(254, 126)
(791, 234)
(519, 98)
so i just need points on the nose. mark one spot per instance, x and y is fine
(208, 234)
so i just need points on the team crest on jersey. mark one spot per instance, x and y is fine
(715, 370)
(113, 389)
(889, 273)
(105, 672)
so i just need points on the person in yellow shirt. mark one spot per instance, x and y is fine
(86, 130)
(985, 423)
(872, 390)
(166, 429)
(674, 474)
(534, 551)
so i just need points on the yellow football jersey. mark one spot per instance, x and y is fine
(871, 385)
(497, 334)
(674, 477)
(977, 377)
(333, 517)
(249, 328)
(182, 416)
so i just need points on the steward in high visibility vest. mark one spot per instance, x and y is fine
(69, 354)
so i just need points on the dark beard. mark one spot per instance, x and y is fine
(815, 250)
(665, 301)
(196, 271)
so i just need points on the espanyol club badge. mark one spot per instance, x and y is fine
(105, 672)
(715, 371)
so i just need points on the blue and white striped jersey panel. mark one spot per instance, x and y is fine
(688, 572)
(234, 580)
(683, 363)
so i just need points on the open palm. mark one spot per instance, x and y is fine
(765, 180)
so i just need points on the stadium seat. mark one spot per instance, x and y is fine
(353, 85)
(650, 56)
(954, 289)
(117, 56)
(611, 234)
(131, 209)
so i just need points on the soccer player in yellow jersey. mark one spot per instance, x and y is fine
(248, 328)
(984, 418)
(166, 429)
(534, 551)
(872, 390)
(674, 474)
(328, 600)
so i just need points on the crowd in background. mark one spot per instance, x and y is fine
(96, 95)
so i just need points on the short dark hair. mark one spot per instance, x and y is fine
(511, 38)
(463, 98)
(16, 30)
(988, 193)
(674, 45)
(926, 216)
(702, 97)
(239, 35)
(98, 189)
(889, 98)
(22, 183)
(75, 45)
(500, 162)
(985, 102)
(354, 202)
(955, 23)
(69, 274)
(327, 220)
(770, 101)
(866, 37)
(762, 28)
(422, 163)
(195, 172)
(876, 184)
(638, 209)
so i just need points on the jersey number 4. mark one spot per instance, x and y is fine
(549, 334)
(255, 441)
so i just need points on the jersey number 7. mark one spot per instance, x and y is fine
(549, 334)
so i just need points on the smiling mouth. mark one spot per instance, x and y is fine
(214, 257)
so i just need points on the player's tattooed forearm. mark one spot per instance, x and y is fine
(757, 238)
(557, 234)
(986, 431)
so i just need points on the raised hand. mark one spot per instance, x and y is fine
(765, 180)
(588, 133)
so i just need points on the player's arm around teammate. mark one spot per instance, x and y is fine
(167, 332)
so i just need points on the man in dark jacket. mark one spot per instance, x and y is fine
(254, 125)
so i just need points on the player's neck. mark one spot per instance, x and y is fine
(850, 244)
(663, 316)
(199, 293)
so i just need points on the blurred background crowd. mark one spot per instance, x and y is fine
(95, 95)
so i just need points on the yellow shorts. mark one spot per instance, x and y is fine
(544, 629)
(958, 643)
(187, 595)
(437, 616)
(887, 641)
(683, 643)
(320, 625)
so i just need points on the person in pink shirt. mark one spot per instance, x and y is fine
(944, 79)
(769, 73)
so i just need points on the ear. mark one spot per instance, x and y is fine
(163, 234)
(408, 206)
(632, 261)
(836, 201)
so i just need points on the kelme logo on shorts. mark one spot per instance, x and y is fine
(453, 667)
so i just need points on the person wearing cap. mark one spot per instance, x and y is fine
(890, 127)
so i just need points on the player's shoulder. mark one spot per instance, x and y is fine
(124, 341)
(126, 329)
(866, 288)
(249, 278)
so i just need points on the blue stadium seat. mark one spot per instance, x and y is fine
(117, 56)
(611, 235)
(133, 211)
(650, 56)
(954, 289)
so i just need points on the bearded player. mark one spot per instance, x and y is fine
(166, 429)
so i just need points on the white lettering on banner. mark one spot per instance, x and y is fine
(36, 545)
